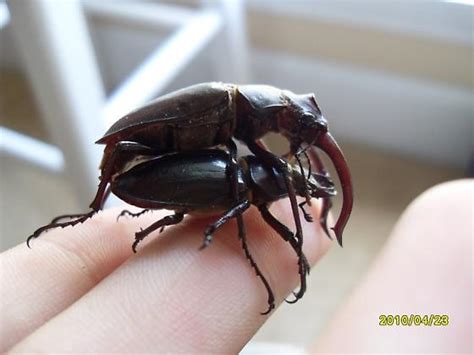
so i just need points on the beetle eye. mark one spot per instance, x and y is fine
(308, 120)
(321, 124)
(307, 117)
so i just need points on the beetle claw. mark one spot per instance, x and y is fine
(134, 215)
(29, 239)
(207, 241)
(134, 246)
(306, 265)
(138, 237)
(39, 231)
(306, 215)
(292, 301)
(271, 306)
(324, 225)
(122, 214)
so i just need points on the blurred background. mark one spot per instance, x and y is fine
(394, 79)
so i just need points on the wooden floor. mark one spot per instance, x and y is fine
(384, 185)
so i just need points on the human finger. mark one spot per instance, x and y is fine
(62, 266)
(424, 272)
(172, 297)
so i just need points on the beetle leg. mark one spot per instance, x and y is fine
(109, 169)
(281, 165)
(81, 219)
(240, 224)
(326, 201)
(306, 191)
(233, 168)
(102, 192)
(131, 214)
(165, 221)
(76, 215)
(235, 211)
(66, 216)
(306, 215)
(309, 163)
(283, 231)
(243, 239)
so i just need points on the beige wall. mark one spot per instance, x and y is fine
(419, 57)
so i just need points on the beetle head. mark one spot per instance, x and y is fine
(302, 121)
(318, 185)
(311, 127)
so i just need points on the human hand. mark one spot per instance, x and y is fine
(82, 289)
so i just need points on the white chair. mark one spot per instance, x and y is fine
(55, 45)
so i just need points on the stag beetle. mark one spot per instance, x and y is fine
(211, 114)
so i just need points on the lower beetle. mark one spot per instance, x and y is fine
(200, 182)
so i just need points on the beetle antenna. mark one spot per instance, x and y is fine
(309, 164)
(299, 163)
(303, 150)
(307, 195)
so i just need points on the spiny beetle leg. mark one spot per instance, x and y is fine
(233, 212)
(243, 239)
(131, 214)
(82, 217)
(274, 161)
(240, 222)
(77, 218)
(284, 232)
(66, 216)
(302, 272)
(299, 294)
(306, 191)
(306, 215)
(165, 221)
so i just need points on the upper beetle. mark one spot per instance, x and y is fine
(210, 114)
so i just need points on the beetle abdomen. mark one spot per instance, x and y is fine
(192, 118)
(190, 181)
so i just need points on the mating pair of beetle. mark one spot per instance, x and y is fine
(159, 156)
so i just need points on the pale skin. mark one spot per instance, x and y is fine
(424, 268)
(81, 289)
